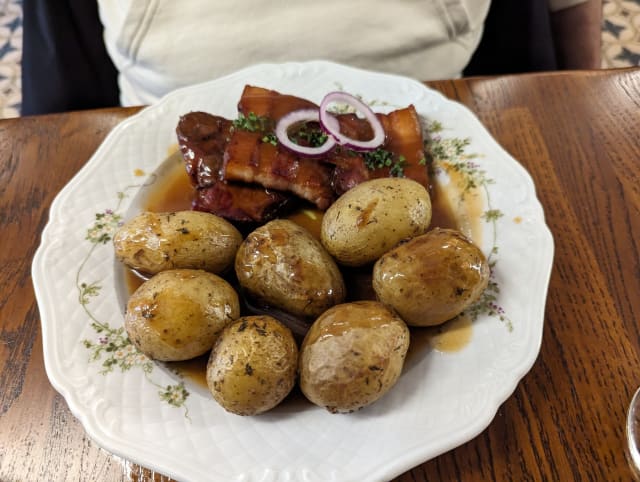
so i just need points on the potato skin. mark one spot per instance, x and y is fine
(283, 265)
(154, 242)
(431, 278)
(178, 314)
(374, 216)
(252, 366)
(352, 355)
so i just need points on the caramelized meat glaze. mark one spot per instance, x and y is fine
(242, 176)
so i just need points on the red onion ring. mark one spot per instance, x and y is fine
(329, 124)
(297, 116)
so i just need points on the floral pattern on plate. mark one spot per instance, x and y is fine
(442, 399)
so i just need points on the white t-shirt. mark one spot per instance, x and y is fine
(160, 45)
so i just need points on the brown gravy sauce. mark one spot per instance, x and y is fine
(194, 370)
(173, 192)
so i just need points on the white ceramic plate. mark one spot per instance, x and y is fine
(139, 410)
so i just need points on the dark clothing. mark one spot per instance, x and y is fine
(65, 65)
(517, 38)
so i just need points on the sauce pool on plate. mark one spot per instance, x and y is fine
(174, 192)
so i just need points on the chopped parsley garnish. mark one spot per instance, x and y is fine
(256, 123)
(381, 158)
(270, 139)
(397, 170)
(378, 159)
(305, 135)
(309, 136)
(253, 123)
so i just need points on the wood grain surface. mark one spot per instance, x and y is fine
(575, 132)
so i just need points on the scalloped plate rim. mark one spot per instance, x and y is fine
(415, 454)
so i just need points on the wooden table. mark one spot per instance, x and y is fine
(578, 135)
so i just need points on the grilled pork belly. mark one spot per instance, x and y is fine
(244, 204)
(241, 175)
(269, 103)
(248, 159)
(203, 139)
(403, 139)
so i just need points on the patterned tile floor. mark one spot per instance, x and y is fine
(621, 33)
(10, 55)
(620, 45)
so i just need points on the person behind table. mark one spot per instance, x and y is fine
(74, 50)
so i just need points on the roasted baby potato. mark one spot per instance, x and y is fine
(432, 278)
(252, 366)
(373, 217)
(178, 314)
(282, 265)
(154, 242)
(352, 355)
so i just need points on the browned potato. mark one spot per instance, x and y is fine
(283, 265)
(252, 366)
(432, 278)
(154, 242)
(373, 217)
(352, 355)
(178, 314)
